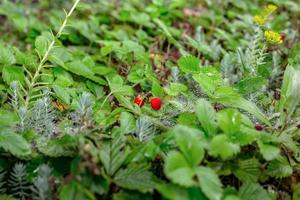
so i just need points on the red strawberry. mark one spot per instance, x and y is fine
(155, 103)
(140, 101)
(259, 127)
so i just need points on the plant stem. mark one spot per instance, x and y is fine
(41, 65)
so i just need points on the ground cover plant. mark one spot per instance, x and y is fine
(152, 99)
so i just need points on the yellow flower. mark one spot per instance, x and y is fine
(273, 37)
(260, 20)
(268, 9)
(156, 56)
(265, 14)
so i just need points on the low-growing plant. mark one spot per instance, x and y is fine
(149, 100)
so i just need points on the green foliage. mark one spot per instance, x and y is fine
(289, 92)
(17, 181)
(75, 191)
(207, 116)
(133, 174)
(113, 154)
(41, 187)
(279, 168)
(178, 170)
(2, 182)
(251, 191)
(247, 170)
(228, 126)
(189, 64)
(13, 143)
(221, 146)
(209, 183)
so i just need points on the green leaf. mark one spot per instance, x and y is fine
(20, 22)
(290, 93)
(209, 183)
(175, 192)
(60, 56)
(131, 46)
(279, 168)
(189, 64)
(268, 151)
(136, 76)
(247, 170)
(135, 177)
(14, 143)
(188, 119)
(221, 146)
(207, 116)
(131, 195)
(6, 56)
(41, 45)
(251, 85)
(178, 170)
(113, 154)
(166, 31)
(232, 197)
(245, 136)
(211, 83)
(190, 144)
(7, 118)
(127, 122)
(200, 46)
(6, 197)
(62, 93)
(172, 191)
(227, 96)
(63, 146)
(253, 191)
(106, 50)
(140, 18)
(63, 78)
(75, 191)
(157, 90)
(13, 73)
(117, 87)
(102, 70)
(296, 193)
(229, 121)
(209, 79)
(79, 68)
(25, 58)
(175, 88)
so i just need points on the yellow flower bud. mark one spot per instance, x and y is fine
(260, 20)
(273, 37)
(268, 9)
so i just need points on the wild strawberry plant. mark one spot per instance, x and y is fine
(149, 100)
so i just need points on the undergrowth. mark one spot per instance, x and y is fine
(149, 100)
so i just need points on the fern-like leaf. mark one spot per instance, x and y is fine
(82, 116)
(145, 129)
(41, 187)
(2, 182)
(42, 117)
(17, 182)
(113, 154)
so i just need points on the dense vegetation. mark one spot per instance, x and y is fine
(161, 99)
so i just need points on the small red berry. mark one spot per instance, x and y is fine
(259, 127)
(140, 101)
(155, 103)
